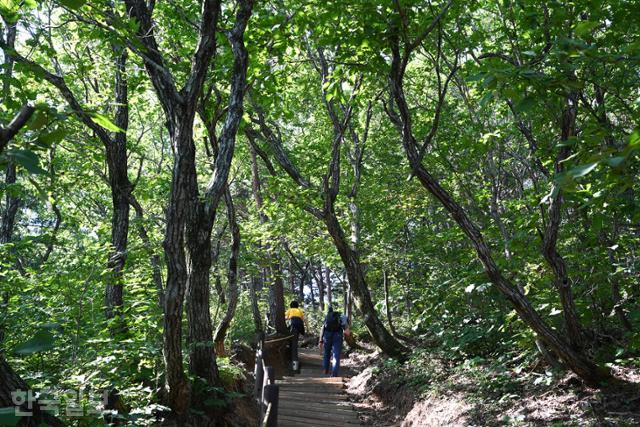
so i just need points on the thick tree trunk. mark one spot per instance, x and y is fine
(11, 382)
(190, 218)
(179, 391)
(232, 277)
(202, 357)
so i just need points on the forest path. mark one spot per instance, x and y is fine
(312, 399)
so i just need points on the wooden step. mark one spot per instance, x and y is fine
(311, 397)
(316, 380)
(312, 380)
(301, 421)
(345, 411)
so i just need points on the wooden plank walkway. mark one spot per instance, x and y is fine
(311, 399)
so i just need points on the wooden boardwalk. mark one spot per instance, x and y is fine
(311, 399)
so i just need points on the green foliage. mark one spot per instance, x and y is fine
(521, 67)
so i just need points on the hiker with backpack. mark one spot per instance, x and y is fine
(295, 318)
(335, 327)
(296, 321)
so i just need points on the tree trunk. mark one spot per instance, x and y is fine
(310, 284)
(385, 283)
(329, 287)
(232, 277)
(301, 288)
(276, 289)
(154, 258)
(255, 310)
(360, 291)
(179, 390)
(320, 282)
(576, 361)
(12, 204)
(11, 382)
(292, 278)
(276, 297)
(575, 332)
(202, 357)
(116, 153)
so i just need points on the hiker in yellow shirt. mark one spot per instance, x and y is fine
(295, 317)
(297, 323)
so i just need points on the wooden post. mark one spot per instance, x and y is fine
(259, 376)
(269, 379)
(271, 395)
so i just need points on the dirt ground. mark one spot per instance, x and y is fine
(473, 397)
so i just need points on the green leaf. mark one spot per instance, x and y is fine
(104, 121)
(525, 104)
(27, 159)
(584, 28)
(73, 4)
(43, 340)
(9, 10)
(568, 142)
(614, 162)
(53, 137)
(39, 119)
(580, 171)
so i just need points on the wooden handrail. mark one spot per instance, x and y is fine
(265, 421)
(266, 390)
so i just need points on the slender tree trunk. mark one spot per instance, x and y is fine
(310, 284)
(232, 277)
(576, 361)
(301, 288)
(320, 287)
(549, 244)
(360, 291)
(276, 296)
(385, 283)
(255, 310)
(12, 204)
(616, 295)
(292, 278)
(329, 287)
(154, 258)
(276, 289)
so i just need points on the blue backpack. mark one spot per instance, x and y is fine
(332, 323)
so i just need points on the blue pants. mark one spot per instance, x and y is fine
(332, 345)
